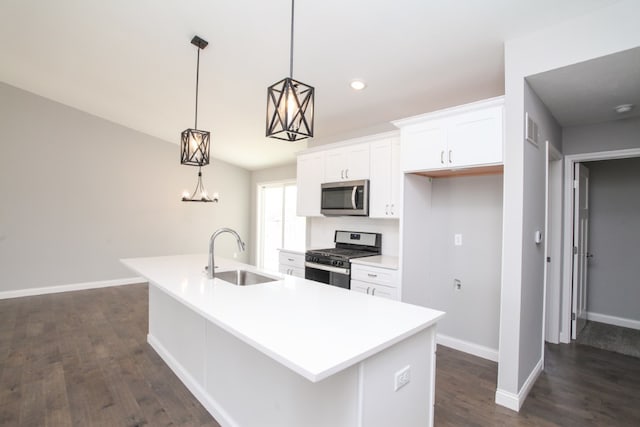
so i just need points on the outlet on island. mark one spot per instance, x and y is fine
(402, 378)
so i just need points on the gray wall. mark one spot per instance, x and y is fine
(79, 192)
(532, 291)
(281, 173)
(614, 135)
(614, 233)
(471, 206)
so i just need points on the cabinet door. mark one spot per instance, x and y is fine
(424, 146)
(395, 179)
(475, 138)
(334, 165)
(347, 164)
(385, 292)
(380, 179)
(362, 287)
(309, 178)
(357, 162)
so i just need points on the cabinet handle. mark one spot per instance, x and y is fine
(342, 174)
(386, 210)
(368, 290)
(346, 173)
(373, 291)
(392, 209)
(291, 271)
(290, 259)
(372, 275)
(450, 158)
(442, 157)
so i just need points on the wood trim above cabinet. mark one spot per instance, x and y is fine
(475, 171)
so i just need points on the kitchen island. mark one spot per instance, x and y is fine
(290, 352)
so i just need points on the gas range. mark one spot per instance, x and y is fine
(338, 257)
(332, 265)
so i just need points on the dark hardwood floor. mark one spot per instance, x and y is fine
(580, 386)
(81, 359)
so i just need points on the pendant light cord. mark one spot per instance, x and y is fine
(197, 81)
(291, 46)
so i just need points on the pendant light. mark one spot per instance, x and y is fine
(290, 104)
(194, 143)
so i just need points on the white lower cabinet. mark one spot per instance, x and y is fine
(376, 281)
(291, 263)
(375, 290)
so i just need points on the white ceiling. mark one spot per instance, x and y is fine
(588, 92)
(131, 62)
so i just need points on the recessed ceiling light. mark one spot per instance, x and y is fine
(357, 84)
(624, 108)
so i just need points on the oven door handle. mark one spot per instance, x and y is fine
(327, 268)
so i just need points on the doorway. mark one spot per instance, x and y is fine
(569, 268)
(278, 225)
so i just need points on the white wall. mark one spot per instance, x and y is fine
(472, 207)
(532, 287)
(614, 232)
(605, 31)
(321, 231)
(276, 174)
(79, 193)
(614, 135)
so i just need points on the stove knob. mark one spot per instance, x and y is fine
(334, 262)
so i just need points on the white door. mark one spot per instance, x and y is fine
(580, 248)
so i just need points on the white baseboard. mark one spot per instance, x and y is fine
(613, 320)
(514, 401)
(211, 405)
(468, 347)
(73, 287)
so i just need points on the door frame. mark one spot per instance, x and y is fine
(567, 225)
(553, 246)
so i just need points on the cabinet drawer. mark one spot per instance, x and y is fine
(380, 276)
(292, 259)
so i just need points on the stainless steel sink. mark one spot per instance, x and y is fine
(243, 277)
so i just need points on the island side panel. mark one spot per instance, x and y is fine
(257, 391)
(177, 332)
(410, 405)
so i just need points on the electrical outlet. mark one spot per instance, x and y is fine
(457, 239)
(402, 378)
(457, 284)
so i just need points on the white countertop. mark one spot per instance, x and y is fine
(293, 251)
(312, 328)
(382, 261)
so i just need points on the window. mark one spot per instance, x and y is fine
(278, 224)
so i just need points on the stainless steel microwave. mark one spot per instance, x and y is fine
(345, 198)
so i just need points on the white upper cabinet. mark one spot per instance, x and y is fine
(463, 137)
(384, 198)
(310, 171)
(347, 163)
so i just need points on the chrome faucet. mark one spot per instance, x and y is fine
(219, 231)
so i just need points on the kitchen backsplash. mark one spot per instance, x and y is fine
(321, 231)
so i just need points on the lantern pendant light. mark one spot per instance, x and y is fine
(290, 104)
(194, 143)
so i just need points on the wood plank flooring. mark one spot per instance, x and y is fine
(81, 359)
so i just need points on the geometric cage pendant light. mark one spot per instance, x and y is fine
(195, 143)
(290, 104)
